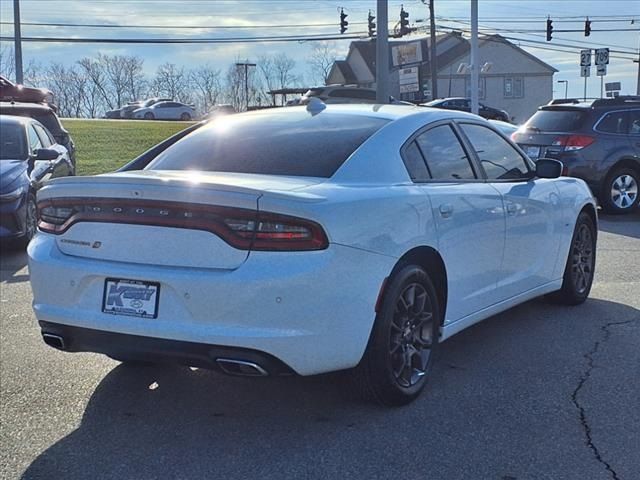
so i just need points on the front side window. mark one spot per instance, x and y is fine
(34, 140)
(445, 157)
(44, 137)
(634, 122)
(498, 158)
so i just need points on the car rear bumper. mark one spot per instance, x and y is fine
(312, 310)
(134, 347)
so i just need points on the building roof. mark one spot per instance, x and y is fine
(501, 39)
(346, 71)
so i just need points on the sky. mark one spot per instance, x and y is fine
(259, 18)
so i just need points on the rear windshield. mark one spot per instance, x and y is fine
(292, 143)
(12, 142)
(557, 120)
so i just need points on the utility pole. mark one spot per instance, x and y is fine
(17, 41)
(474, 56)
(432, 51)
(246, 66)
(382, 53)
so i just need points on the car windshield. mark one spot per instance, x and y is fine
(553, 120)
(12, 142)
(293, 143)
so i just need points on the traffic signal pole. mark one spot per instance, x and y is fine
(474, 57)
(382, 53)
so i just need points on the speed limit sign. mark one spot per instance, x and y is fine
(602, 56)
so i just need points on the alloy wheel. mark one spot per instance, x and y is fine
(412, 333)
(624, 191)
(582, 259)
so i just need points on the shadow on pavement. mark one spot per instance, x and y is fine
(12, 260)
(175, 422)
(627, 225)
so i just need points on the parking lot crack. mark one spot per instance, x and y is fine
(581, 409)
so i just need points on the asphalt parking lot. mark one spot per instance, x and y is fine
(538, 392)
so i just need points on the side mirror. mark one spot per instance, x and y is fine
(45, 154)
(548, 168)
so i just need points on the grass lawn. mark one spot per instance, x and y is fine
(105, 145)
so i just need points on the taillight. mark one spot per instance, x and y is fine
(514, 135)
(241, 228)
(573, 142)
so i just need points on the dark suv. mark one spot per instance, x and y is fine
(597, 141)
(47, 117)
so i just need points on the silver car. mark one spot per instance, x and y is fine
(166, 111)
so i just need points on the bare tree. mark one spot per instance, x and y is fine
(7, 62)
(284, 66)
(172, 81)
(95, 74)
(321, 60)
(207, 84)
(60, 79)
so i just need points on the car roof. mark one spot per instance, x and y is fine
(15, 119)
(382, 111)
(26, 106)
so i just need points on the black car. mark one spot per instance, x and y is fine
(597, 141)
(47, 117)
(28, 157)
(464, 105)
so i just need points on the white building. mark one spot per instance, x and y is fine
(515, 81)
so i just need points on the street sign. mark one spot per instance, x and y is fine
(409, 80)
(601, 69)
(612, 86)
(585, 71)
(602, 56)
(585, 59)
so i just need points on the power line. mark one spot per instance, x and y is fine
(178, 27)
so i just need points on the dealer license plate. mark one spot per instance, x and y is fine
(131, 297)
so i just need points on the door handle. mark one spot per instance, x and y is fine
(446, 210)
(512, 208)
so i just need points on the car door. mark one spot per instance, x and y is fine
(468, 215)
(61, 166)
(533, 211)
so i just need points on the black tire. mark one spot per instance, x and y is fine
(30, 222)
(185, 117)
(580, 267)
(149, 116)
(620, 191)
(396, 364)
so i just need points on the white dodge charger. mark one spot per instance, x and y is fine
(310, 239)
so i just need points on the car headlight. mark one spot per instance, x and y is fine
(14, 195)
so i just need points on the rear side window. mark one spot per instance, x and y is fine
(614, 122)
(291, 143)
(44, 136)
(414, 162)
(499, 159)
(445, 157)
(634, 122)
(557, 120)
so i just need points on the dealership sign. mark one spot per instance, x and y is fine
(406, 53)
(409, 80)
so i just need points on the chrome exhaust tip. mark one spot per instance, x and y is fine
(241, 367)
(55, 341)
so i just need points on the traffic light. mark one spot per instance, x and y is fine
(587, 27)
(343, 21)
(372, 25)
(549, 29)
(404, 22)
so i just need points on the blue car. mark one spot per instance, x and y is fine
(29, 155)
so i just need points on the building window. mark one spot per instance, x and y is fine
(513, 87)
(482, 87)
